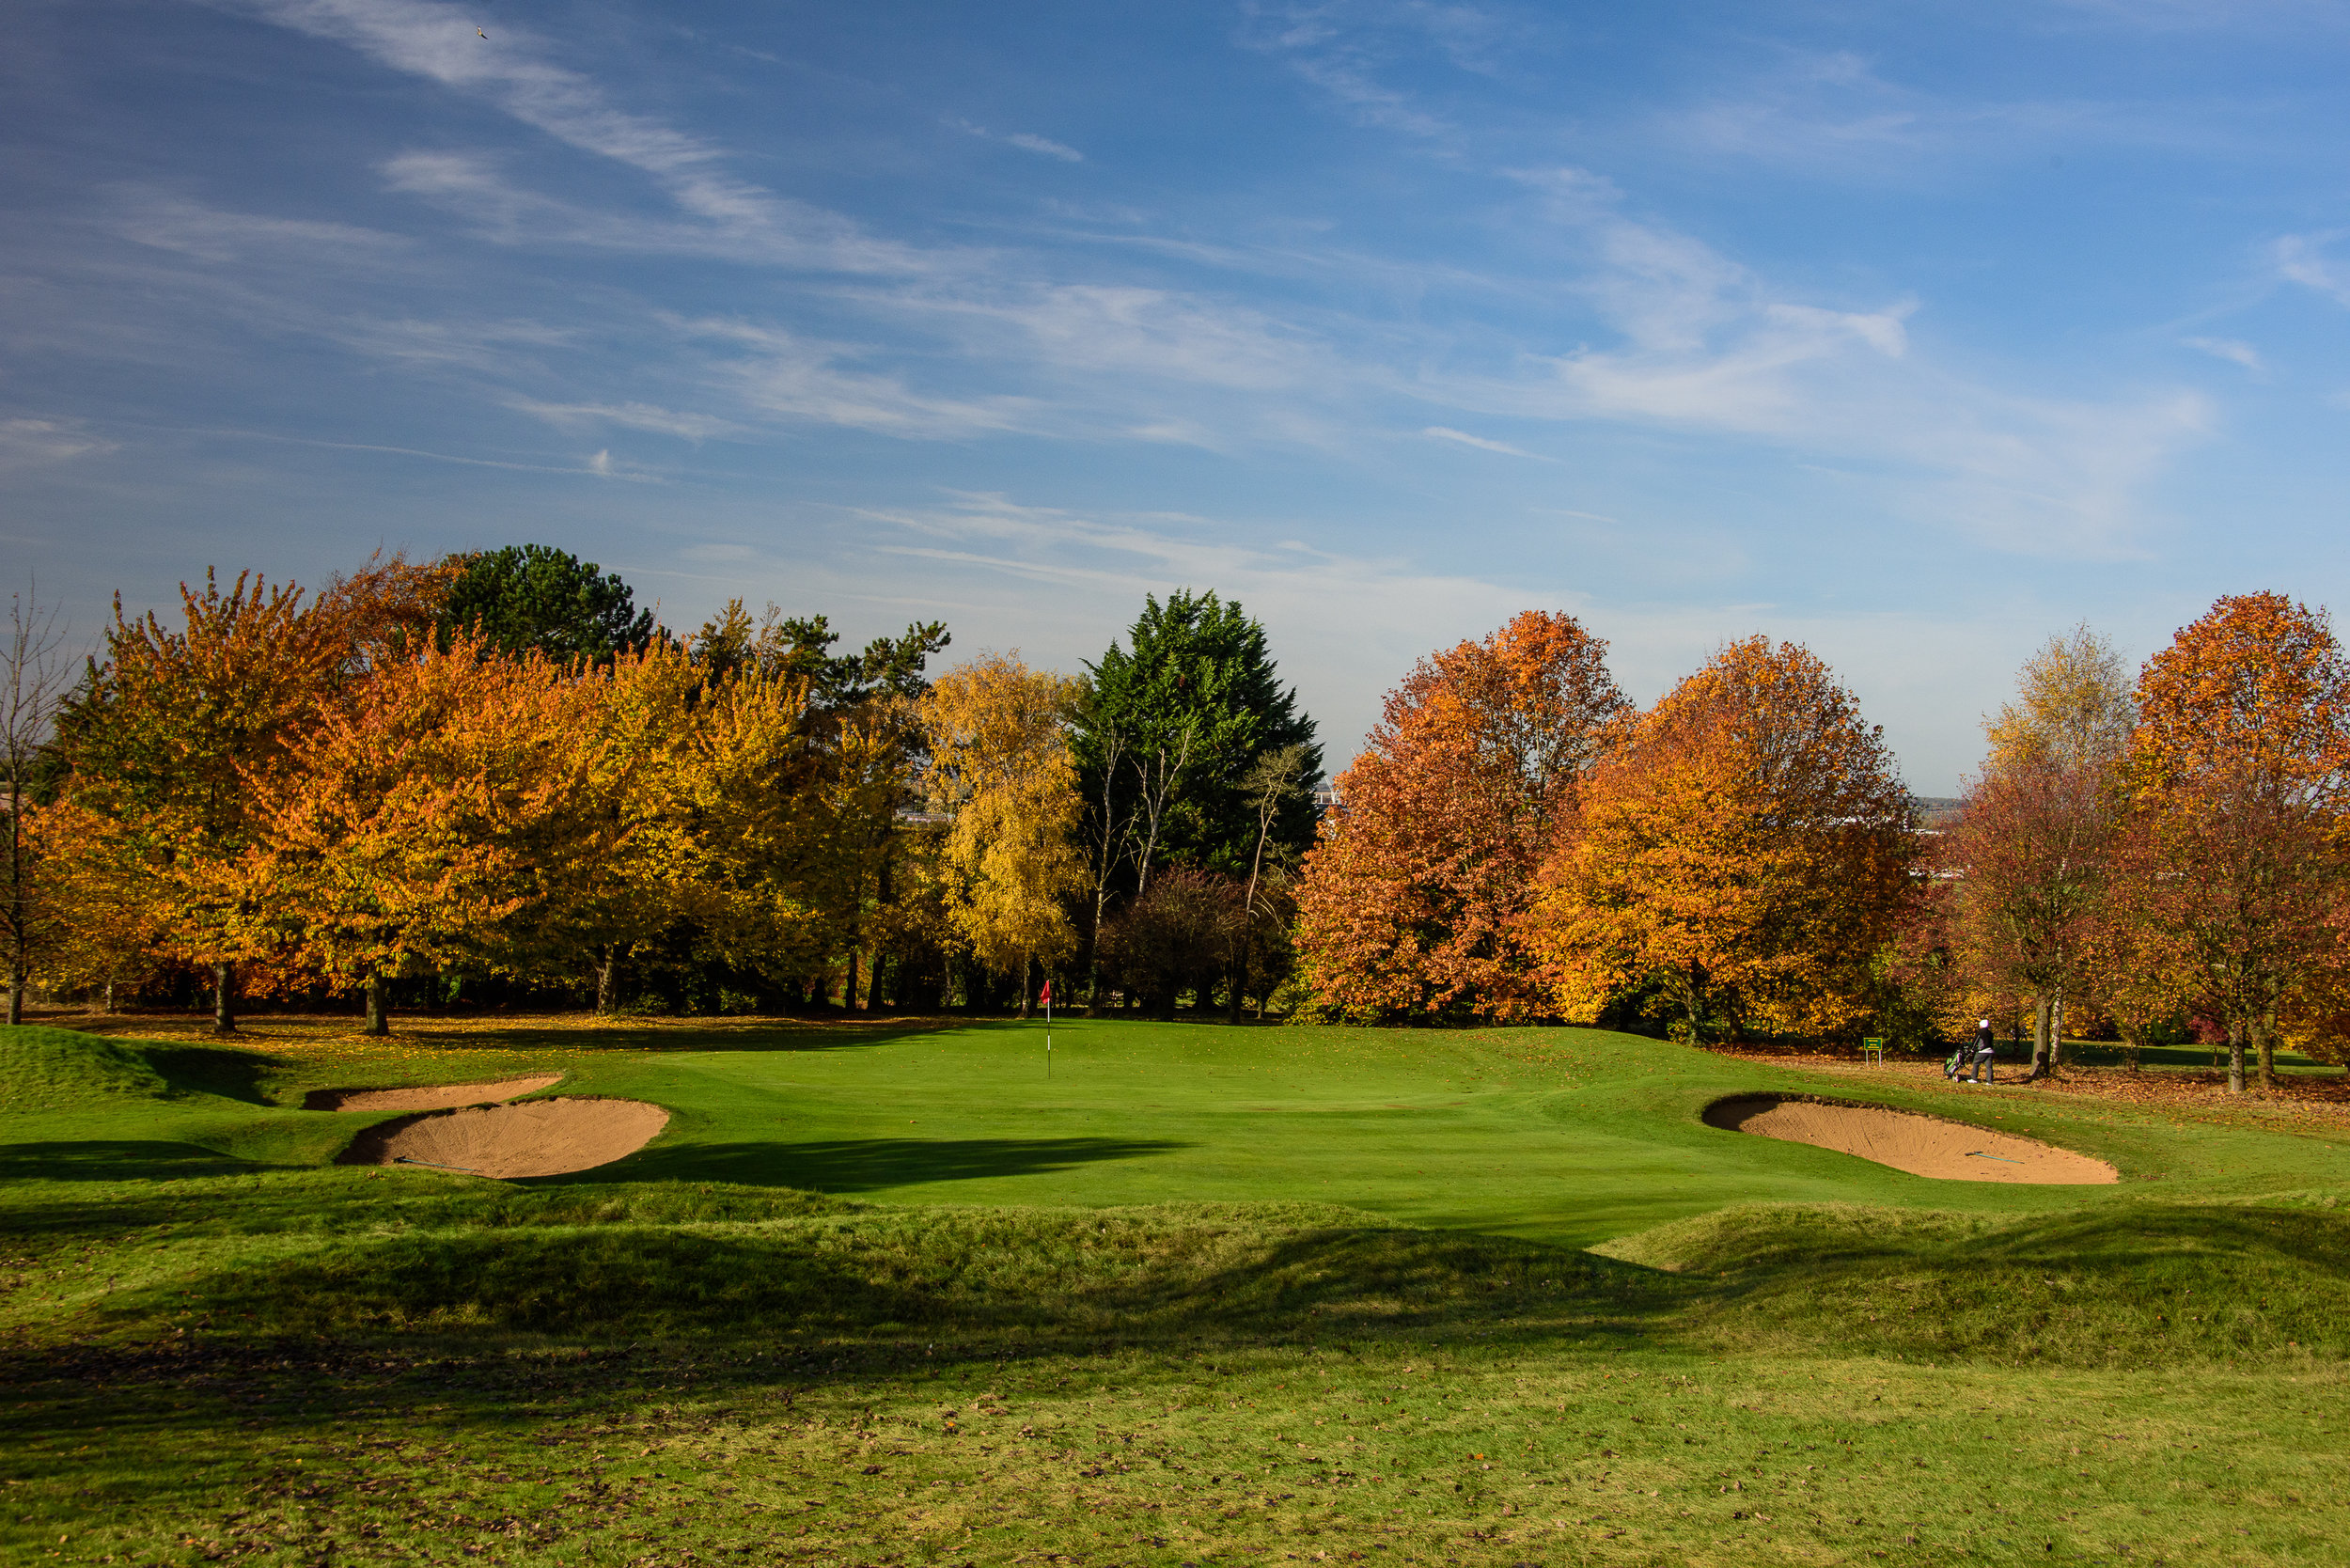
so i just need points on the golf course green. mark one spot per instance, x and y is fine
(883, 1293)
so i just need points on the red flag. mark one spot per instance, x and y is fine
(1048, 992)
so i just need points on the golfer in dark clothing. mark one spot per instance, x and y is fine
(1984, 1069)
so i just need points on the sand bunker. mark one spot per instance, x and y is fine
(1921, 1145)
(432, 1097)
(537, 1137)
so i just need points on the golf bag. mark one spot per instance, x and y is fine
(1957, 1064)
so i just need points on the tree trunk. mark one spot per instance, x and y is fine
(848, 998)
(2055, 1034)
(2236, 1055)
(16, 996)
(2041, 1005)
(1027, 976)
(377, 1023)
(1240, 980)
(224, 998)
(604, 1000)
(2264, 1038)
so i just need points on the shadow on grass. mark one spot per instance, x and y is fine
(43, 1068)
(868, 1165)
(115, 1160)
(231, 1074)
(1008, 1274)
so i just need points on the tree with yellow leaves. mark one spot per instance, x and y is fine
(2073, 707)
(1000, 765)
(1740, 855)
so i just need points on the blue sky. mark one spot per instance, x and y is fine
(1915, 332)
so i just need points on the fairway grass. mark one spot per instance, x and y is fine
(890, 1294)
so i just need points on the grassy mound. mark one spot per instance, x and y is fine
(579, 1268)
(2204, 1283)
(2105, 1287)
(44, 1068)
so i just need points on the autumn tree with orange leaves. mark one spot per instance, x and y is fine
(406, 830)
(164, 743)
(1412, 901)
(166, 740)
(2240, 773)
(1739, 855)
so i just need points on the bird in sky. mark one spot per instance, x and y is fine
(479, 33)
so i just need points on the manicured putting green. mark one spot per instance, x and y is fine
(1567, 1137)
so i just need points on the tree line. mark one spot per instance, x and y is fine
(494, 777)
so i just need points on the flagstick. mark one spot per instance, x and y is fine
(1048, 1030)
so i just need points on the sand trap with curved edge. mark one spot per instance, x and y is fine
(427, 1097)
(537, 1137)
(1921, 1145)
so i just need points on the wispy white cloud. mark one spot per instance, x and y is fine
(1126, 331)
(25, 442)
(1703, 343)
(1027, 141)
(2302, 259)
(773, 232)
(2234, 349)
(165, 220)
(631, 415)
(426, 454)
(965, 343)
(1343, 48)
(1348, 624)
(783, 375)
(516, 72)
(1835, 114)
(1482, 444)
(457, 343)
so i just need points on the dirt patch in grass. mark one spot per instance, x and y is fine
(428, 1097)
(537, 1137)
(1920, 1145)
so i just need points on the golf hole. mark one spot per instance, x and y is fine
(537, 1137)
(1920, 1145)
